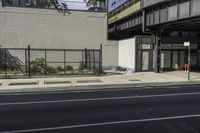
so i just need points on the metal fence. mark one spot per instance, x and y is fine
(30, 62)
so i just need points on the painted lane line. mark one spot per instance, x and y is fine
(99, 99)
(103, 124)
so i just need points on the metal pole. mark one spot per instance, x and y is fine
(94, 61)
(6, 66)
(26, 62)
(29, 62)
(100, 60)
(89, 54)
(64, 62)
(86, 58)
(82, 65)
(45, 58)
(189, 62)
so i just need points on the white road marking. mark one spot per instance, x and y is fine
(99, 99)
(103, 124)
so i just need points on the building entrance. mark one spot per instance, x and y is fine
(145, 60)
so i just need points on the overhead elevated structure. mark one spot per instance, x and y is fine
(171, 22)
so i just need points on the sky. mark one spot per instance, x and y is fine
(75, 4)
(113, 4)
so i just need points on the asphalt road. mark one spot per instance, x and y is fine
(168, 109)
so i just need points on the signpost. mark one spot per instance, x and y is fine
(187, 44)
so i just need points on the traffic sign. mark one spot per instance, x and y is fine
(186, 44)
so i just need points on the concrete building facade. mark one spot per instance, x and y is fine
(46, 28)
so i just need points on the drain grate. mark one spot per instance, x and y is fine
(89, 81)
(134, 80)
(57, 82)
(23, 83)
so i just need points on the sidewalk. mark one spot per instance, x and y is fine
(125, 79)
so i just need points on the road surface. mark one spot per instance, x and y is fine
(167, 109)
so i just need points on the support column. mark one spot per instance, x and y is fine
(157, 54)
(2, 3)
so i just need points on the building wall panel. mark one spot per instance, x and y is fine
(146, 3)
(127, 49)
(195, 7)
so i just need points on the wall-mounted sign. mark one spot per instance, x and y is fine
(186, 44)
(146, 46)
(166, 46)
(178, 46)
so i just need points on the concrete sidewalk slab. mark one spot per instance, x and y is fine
(124, 79)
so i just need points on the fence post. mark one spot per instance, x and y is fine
(89, 55)
(94, 60)
(82, 63)
(6, 66)
(26, 69)
(100, 60)
(45, 58)
(64, 61)
(29, 62)
(86, 57)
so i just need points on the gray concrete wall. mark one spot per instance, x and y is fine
(146, 3)
(46, 28)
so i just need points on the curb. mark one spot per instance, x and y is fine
(78, 88)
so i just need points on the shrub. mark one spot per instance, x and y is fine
(69, 68)
(16, 72)
(97, 71)
(51, 69)
(38, 65)
(121, 69)
(82, 66)
(60, 69)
